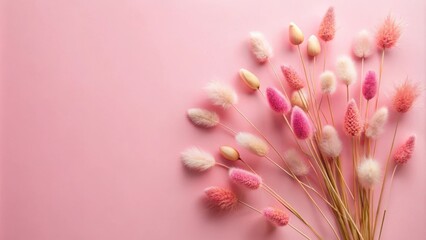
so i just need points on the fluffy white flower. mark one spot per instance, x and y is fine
(221, 94)
(345, 70)
(363, 44)
(328, 82)
(369, 173)
(260, 47)
(202, 117)
(330, 143)
(377, 122)
(197, 159)
(296, 164)
(252, 143)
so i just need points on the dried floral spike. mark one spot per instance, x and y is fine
(197, 159)
(328, 82)
(376, 123)
(295, 35)
(314, 47)
(249, 79)
(277, 101)
(202, 117)
(276, 216)
(296, 100)
(388, 33)
(245, 178)
(330, 143)
(369, 86)
(252, 143)
(292, 77)
(404, 152)
(404, 97)
(221, 198)
(363, 44)
(300, 123)
(369, 173)
(260, 47)
(345, 70)
(327, 28)
(296, 164)
(352, 122)
(221, 94)
(229, 153)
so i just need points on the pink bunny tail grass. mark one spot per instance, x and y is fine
(388, 33)
(293, 79)
(276, 216)
(404, 152)
(377, 122)
(369, 87)
(327, 28)
(404, 96)
(260, 47)
(330, 143)
(277, 101)
(245, 178)
(221, 198)
(296, 163)
(345, 70)
(352, 122)
(300, 123)
(363, 43)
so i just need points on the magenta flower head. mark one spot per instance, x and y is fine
(221, 199)
(405, 151)
(245, 178)
(352, 123)
(276, 216)
(292, 77)
(300, 123)
(369, 87)
(277, 101)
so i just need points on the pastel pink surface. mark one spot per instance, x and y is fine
(93, 102)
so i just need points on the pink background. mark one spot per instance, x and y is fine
(93, 101)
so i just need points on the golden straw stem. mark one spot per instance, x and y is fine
(380, 78)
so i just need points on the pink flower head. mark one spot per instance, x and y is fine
(404, 97)
(276, 216)
(293, 79)
(388, 33)
(369, 87)
(352, 122)
(300, 123)
(404, 152)
(327, 28)
(277, 101)
(245, 178)
(221, 198)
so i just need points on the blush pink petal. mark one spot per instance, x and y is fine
(276, 216)
(245, 178)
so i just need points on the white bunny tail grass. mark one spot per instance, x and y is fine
(363, 44)
(260, 47)
(296, 163)
(369, 173)
(330, 143)
(197, 159)
(221, 94)
(202, 117)
(328, 82)
(377, 123)
(345, 70)
(252, 143)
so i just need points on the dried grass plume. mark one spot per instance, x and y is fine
(260, 47)
(202, 117)
(252, 143)
(221, 94)
(197, 159)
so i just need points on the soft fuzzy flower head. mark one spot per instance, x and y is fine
(299, 101)
(221, 94)
(327, 28)
(245, 178)
(221, 198)
(363, 44)
(276, 216)
(345, 70)
(369, 86)
(314, 46)
(292, 77)
(295, 35)
(249, 79)
(229, 153)
(260, 47)
(296, 163)
(404, 96)
(388, 33)
(404, 152)
(278, 102)
(252, 143)
(376, 123)
(197, 159)
(330, 143)
(369, 173)
(328, 82)
(202, 117)
(300, 123)
(352, 122)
